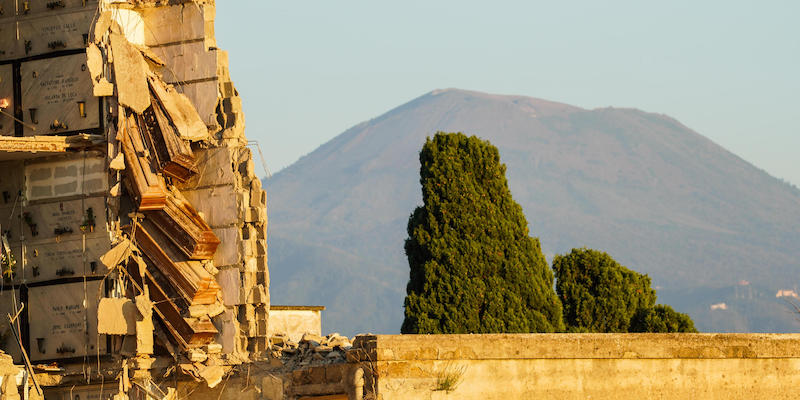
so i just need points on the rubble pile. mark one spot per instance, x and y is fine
(312, 350)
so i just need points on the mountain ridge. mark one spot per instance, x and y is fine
(579, 175)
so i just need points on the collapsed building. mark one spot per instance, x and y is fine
(133, 222)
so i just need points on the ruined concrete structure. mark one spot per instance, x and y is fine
(133, 222)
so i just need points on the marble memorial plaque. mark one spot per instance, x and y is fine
(9, 297)
(36, 7)
(54, 32)
(6, 100)
(57, 96)
(50, 259)
(9, 45)
(58, 316)
(7, 9)
(68, 219)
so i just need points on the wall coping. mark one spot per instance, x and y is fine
(296, 308)
(576, 346)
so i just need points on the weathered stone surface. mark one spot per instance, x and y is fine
(228, 251)
(181, 112)
(160, 26)
(215, 168)
(130, 72)
(188, 61)
(230, 281)
(49, 32)
(116, 316)
(58, 319)
(94, 60)
(54, 89)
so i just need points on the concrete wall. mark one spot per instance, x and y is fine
(294, 321)
(581, 366)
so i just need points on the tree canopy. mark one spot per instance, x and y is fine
(473, 266)
(662, 319)
(600, 295)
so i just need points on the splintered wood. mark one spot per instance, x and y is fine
(187, 332)
(142, 179)
(181, 223)
(188, 277)
(171, 155)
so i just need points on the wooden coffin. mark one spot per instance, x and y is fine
(142, 179)
(187, 332)
(188, 277)
(172, 156)
(180, 222)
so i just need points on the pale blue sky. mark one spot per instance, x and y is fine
(730, 70)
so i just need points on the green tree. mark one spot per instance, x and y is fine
(474, 269)
(661, 318)
(598, 294)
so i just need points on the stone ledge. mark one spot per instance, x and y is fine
(577, 346)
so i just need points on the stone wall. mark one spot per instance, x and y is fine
(295, 321)
(582, 366)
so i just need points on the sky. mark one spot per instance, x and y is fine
(308, 70)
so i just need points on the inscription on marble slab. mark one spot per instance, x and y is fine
(7, 9)
(68, 219)
(6, 100)
(52, 7)
(94, 392)
(53, 32)
(51, 260)
(8, 343)
(57, 96)
(63, 321)
(9, 47)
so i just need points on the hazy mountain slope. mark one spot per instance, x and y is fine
(657, 196)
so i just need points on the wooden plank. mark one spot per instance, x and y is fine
(147, 186)
(188, 277)
(181, 223)
(187, 332)
(172, 156)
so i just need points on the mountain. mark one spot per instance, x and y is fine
(707, 226)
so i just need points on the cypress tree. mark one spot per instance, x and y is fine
(599, 294)
(661, 318)
(474, 269)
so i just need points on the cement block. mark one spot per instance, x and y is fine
(228, 250)
(218, 205)
(50, 180)
(230, 281)
(188, 61)
(215, 168)
(179, 23)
